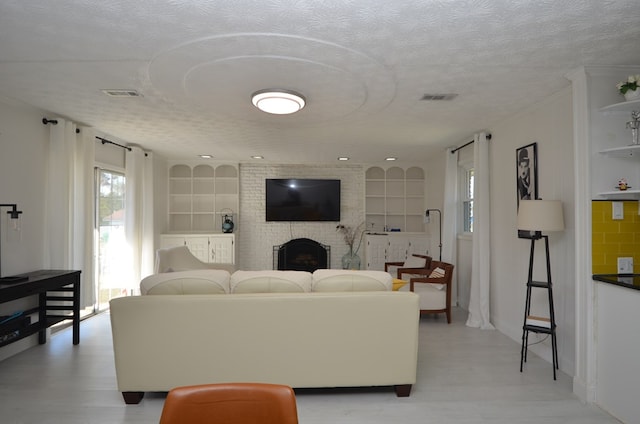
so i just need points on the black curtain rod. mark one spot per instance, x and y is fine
(466, 144)
(55, 122)
(105, 141)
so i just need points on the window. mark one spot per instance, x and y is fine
(467, 200)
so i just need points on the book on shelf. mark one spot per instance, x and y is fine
(538, 321)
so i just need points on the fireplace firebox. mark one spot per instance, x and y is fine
(301, 254)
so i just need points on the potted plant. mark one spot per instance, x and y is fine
(629, 88)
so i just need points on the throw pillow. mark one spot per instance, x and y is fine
(437, 273)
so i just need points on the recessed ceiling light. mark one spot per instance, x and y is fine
(437, 97)
(206, 156)
(277, 101)
(121, 92)
(390, 158)
(343, 158)
(257, 157)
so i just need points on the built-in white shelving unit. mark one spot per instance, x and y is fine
(625, 160)
(394, 199)
(200, 195)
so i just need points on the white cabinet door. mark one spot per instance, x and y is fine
(199, 247)
(376, 251)
(398, 248)
(418, 244)
(222, 249)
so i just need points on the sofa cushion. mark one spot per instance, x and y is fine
(339, 280)
(270, 282)
(201, 281)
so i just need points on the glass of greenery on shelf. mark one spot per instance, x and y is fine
(629, 88)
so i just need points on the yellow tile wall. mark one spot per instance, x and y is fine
(614, 238)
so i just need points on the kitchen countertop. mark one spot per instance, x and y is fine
(631, 281)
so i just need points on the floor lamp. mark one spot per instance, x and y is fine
(538, 216)
(427, 218)
(14, 214)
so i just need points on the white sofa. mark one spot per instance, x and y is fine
(303, 339)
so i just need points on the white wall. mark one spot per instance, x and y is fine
(256, 237)
(550, 124)
(23, 143)
(434, 199)
(23, 154)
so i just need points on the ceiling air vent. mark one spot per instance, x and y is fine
(435, 97)
(121, 93)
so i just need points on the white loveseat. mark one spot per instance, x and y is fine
(352, 331)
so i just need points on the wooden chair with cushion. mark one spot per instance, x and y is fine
(434, 289)
(415, 264)
(230, 403)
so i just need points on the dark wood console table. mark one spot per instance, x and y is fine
(54, 302)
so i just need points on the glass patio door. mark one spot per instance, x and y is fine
(111, 241)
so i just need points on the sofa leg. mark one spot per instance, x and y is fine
(448, 316)
(403, 390)
(132, 398)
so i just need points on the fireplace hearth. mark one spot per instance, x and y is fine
(301, 254)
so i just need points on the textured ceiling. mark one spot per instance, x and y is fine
(362, 65)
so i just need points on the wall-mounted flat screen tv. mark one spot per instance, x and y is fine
(302, 199)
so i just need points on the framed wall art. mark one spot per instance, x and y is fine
(527, 179)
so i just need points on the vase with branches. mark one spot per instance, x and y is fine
(353, 238)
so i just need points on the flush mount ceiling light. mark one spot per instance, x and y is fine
(278, 102)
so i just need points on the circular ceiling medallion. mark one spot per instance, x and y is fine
(221, 74)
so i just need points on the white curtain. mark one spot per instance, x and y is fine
(69, 204)
(449, 216)
(479, 296)
(139, 215)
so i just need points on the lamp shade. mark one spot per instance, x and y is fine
(540, 215)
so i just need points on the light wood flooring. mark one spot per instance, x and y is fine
(465, 376)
